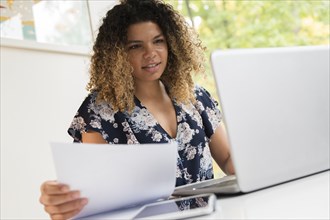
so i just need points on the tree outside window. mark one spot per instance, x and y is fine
(225, 24)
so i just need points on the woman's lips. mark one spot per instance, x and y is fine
(152, 67)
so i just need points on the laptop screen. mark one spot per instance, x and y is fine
(275, 103)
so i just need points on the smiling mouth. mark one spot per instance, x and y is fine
(150, 66)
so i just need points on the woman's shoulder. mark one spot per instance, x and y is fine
(204, 97)
(200, 92)
(90, 97)
(92, 104)
(89, 100)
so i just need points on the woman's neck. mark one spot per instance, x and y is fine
(150, 91)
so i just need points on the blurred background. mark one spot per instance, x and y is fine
(45, 51)
(252, 24)
(248, 24)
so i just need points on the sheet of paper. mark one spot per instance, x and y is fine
(116, 176)
(121, 214)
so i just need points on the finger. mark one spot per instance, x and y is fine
(58, 199)
(53, 188)
(71, 206)
(67, 215)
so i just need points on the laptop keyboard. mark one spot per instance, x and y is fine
(228, 182)
(221, 182)
(225, 185)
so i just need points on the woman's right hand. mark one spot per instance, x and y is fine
(59, 201)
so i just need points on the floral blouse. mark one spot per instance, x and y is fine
(195, 125)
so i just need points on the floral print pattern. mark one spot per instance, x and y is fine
(196, 122)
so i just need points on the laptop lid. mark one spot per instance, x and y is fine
(275, 103)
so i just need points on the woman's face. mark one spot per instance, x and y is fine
(147, 51)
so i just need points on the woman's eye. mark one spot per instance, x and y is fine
(135, 46)
(159, 41)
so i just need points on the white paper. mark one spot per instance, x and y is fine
(116, 176)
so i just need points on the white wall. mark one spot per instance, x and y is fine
(40, 93)
(41, 90)
(98, 9)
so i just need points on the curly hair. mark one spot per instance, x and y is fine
(110, 71)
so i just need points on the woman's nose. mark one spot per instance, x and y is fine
(149, 52)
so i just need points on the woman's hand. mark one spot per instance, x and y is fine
(59, 201)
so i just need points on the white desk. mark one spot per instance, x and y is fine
(306, 198)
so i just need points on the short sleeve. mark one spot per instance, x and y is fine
(209, 110)
(90, 117)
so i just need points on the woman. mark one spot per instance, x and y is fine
(141, 91)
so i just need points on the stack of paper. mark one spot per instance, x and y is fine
(116, 176)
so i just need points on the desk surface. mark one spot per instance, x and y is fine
(305, 198)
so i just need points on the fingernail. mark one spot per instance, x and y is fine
(83, 201)
(75, 195)
(65, 189)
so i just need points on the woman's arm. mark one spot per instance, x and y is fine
(219, 147)
(92, 137)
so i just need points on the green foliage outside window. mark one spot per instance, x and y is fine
(224, 24)
(255, 23)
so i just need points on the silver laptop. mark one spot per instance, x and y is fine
(275, 103)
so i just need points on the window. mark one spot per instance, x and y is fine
(56, 22)
(245, 24)
(228, 24)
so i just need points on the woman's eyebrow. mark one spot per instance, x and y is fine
(140, 41)
(158, 36)
(134, 41)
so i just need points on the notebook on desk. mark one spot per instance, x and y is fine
(275, 103)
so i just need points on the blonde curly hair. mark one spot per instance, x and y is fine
(110, 71)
